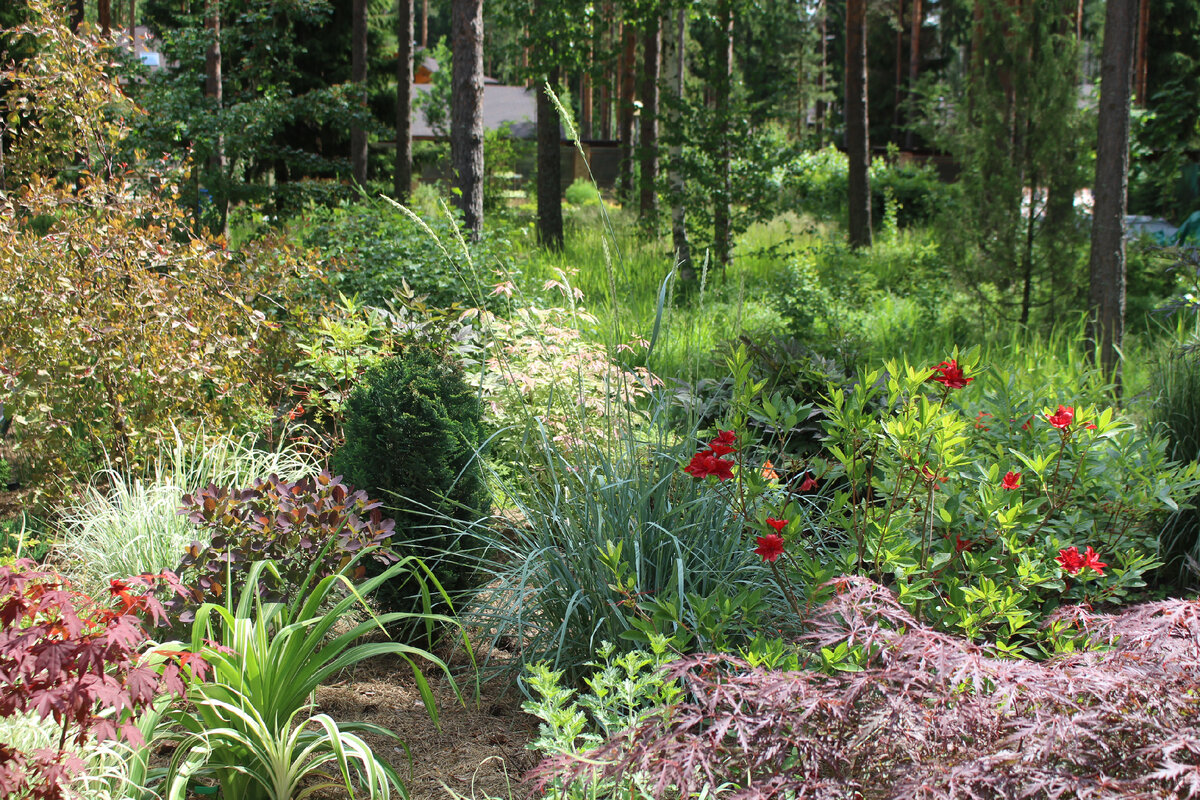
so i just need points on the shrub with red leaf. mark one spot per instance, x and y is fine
(319, 522)
(64, 656)
(930, 715)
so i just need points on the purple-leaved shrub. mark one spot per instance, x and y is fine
(925, 714)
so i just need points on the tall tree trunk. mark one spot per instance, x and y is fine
(822, 28)
(466, 111)
(858, 147)
(358, 74)
(625, 111)
(585, 102)
(674, 68)
(549, 168)
(1106, 283)
(424, 24)
(1142, 62)
(722, 236)
(104, 16)
(213, 90)
(914, 65)
(898, 81)
(77, 14)
(132, 28)
(648, 194)
(404, 90)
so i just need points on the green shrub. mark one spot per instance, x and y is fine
(993, 491)
(372, 248)
(582, 193)
(412, 429)
(1176, 410)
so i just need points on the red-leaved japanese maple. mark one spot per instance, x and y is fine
(930, 715)
(66, 657)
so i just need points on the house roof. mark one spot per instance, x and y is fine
(516, 105)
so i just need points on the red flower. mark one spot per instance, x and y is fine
(1062, 418)
(707, 463)
(777, 524)
(1072, 562)
(1012, 480)
(961, 545)
(951, 375)
(723, 444)
(808, 484)
(770, 547)
(979, 421)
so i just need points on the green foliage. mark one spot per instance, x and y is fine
(918, 474)
(1176, 410)
(413, 428)
(582, 193)
(313, 526)
(372, 249)
(815, 182)
(1023, 143)
(617, 544)
(118, 318)
(624, 689)
(250, 724)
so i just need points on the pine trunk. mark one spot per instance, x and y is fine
(858, 147)
(722, 235)
(358, 74)
(213, 90)
(549, 169)
(625, 111)
(648, 194)
(1106, 284)
(674, 68)
(819, 113)
(466, 112)
(404, 89)
(914, 63)
(104, 16)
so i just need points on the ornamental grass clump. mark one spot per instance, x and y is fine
(926, 715)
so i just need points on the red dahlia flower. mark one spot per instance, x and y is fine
(1073, 562)
(1012, 480)
(951, 376)
(707, 463)
(723, 444)
(1062, 418)
(770, 547)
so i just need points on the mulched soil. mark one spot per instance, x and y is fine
(480, 752)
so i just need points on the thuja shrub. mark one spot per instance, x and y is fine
(926, 715)
(311, 526)
(412, 427)
(82, 664)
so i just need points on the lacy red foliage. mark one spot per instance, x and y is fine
(64, 656)
(931, 716)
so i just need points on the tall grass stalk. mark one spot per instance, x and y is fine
(128, 524)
